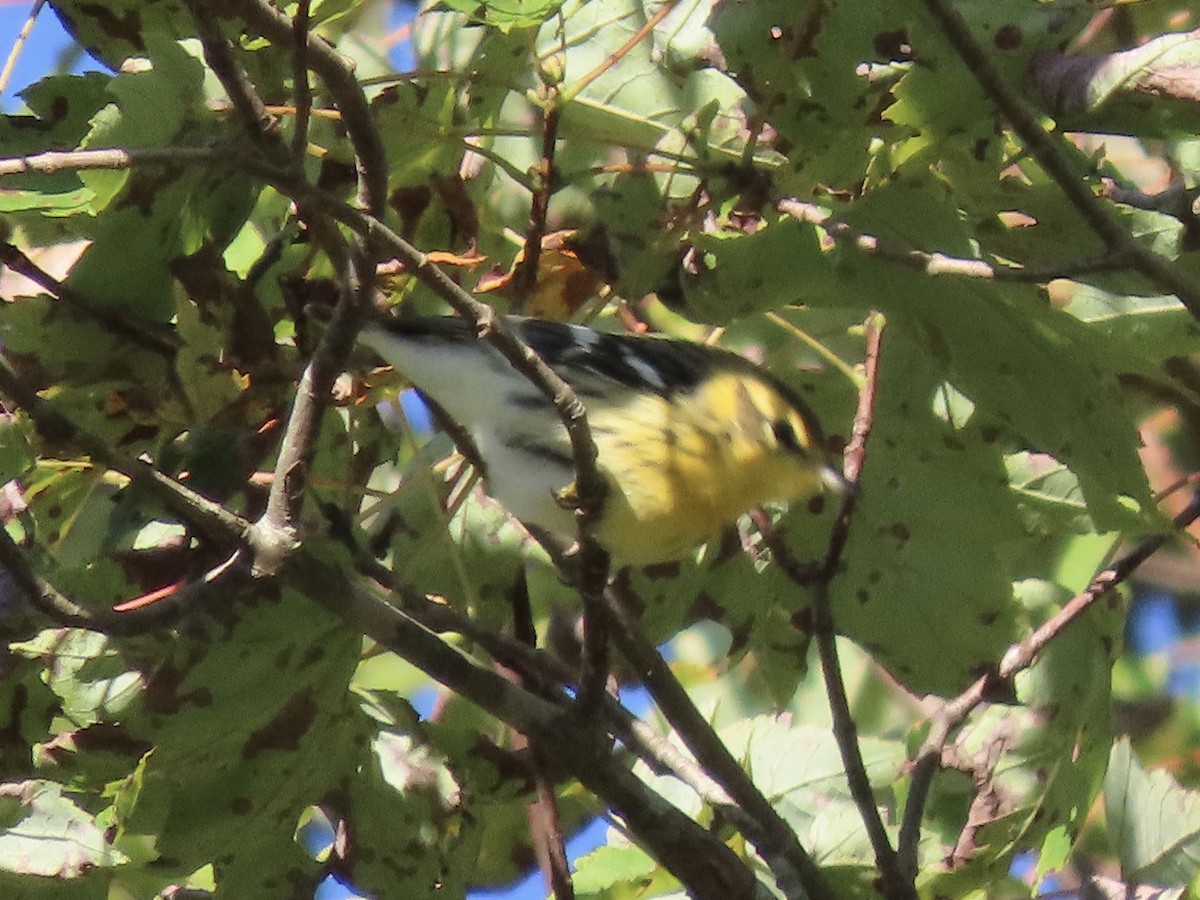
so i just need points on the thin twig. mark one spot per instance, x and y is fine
(258, 123)
(43, 597)
(593, 676)
(19, 44)
(1176, 200)
(525, 276)
(939, 264)
(895, 883)
(273, 535)
(177, 157)
(300, 87)
(55, 161)
(1016, 658)
(545, 824)
(594, 561)
(203, 515)
(792, 866)
(337, 74)
(617, 55)
(158, 343)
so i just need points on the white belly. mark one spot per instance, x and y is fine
(528, 491)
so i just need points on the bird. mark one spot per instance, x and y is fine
(688, 436)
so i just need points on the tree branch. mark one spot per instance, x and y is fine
(56, 161)
(897, 883)
(273, 536)
(700, 860)
(300, 87)
(542, 813)
(524, 280)
(545, 671)
(794, 869)
(1016, 659)
(938, 264)
(1054, 158)
(43, 597)
(335, 71)
(257, 121)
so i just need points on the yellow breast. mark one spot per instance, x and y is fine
(677, 475)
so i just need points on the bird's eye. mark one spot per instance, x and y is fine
(785, 435)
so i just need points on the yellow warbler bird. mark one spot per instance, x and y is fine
(688, 436)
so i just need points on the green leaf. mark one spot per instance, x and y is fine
(1142, 335)
(612, 867)
(253, 724)
(50, 835)
(803, 65)
(415, 810)
(1000, 346)
(209, 386)
(120, 29)
(156, 220)
(800, 770)
(152, 103)
(638, 104)
(1153, 822)
(16, 447)
(740, 274)
(64, 203)
(506, 14)
(925, 587)
(628, 210)
(1050, 499)
(84, 669)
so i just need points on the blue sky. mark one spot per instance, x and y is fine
(45, 47)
